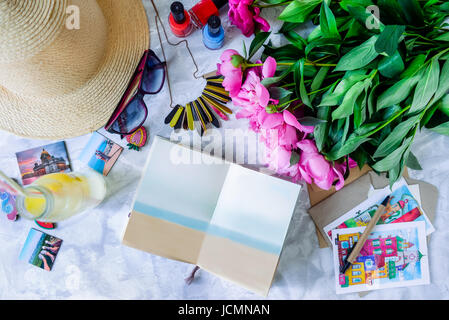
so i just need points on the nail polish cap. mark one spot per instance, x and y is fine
(177, 10)
(214, 24)
(220, 3)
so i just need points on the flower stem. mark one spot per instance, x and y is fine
(287, 103)
(388, 122)
(292, 63)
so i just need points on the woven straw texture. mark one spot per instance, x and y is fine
(57, 83)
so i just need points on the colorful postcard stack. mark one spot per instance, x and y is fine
(395, 254)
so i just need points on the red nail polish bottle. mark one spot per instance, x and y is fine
(204, 9)
(179, 20)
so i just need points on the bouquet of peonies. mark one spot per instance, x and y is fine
(354, 92)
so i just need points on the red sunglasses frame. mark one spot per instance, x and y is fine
(139, 72)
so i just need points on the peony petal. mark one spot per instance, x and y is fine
(307, 146)
(227, 54)
(291, 120)
(261, 22)
(262, 94)
(270, 121)
(289, 136)
(269, 67)
(341, 181)
(318, 166)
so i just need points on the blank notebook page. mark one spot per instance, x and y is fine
(254, 209)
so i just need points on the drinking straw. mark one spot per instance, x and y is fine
(13, 184)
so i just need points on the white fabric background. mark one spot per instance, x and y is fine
(92, 264)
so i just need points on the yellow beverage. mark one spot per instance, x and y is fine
(58, 196)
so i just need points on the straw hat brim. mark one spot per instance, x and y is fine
(89, 107)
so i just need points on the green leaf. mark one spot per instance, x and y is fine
(257, 42)
(318, 81)
(412, 11)
(315, 34)
(443, 105)
(311, 121)
(443, 37)
(355, 3)
(288, 26)
(359, 57)
(415, 66)
(412, 162)
(388, 41)
(244, 50)
(426, 87)
(302, 88)
(298, 11)
(349, 79)
(326, 45)
(322, 130)
(355, 30)
(237, 60)
(280, 94)
(396, 93)
(372, 98)
(295, 39)
(328, 23)
(346, 108)
(294, 158)
(441, 129)
(392, 159)
(395, 138)
(352, 143)
(287, 53)
(360, 109)
(443, 85)
(391, 66)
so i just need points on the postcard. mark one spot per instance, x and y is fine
(36, 162)
(403, 207)
(395, 255)
(101, 153)
(40, 249)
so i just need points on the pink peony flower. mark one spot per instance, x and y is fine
(313, 167)
(232, 75)
(253, 94)
(245, 17)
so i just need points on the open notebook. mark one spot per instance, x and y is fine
(229, 220)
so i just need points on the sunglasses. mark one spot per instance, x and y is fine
(132, 112)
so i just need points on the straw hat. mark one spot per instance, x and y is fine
(57, 80)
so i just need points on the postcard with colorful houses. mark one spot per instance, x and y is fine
(395, 255)
(402, 207)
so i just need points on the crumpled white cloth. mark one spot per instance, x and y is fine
(92, 263)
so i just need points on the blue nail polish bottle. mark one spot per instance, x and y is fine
(213, 33)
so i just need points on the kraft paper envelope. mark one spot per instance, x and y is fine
(355, 193)
(228, 220)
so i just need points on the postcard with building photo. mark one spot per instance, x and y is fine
(395, 255)
(37, 162)
(101, 153)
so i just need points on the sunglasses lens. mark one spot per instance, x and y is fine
(131, 118)
(154, 75)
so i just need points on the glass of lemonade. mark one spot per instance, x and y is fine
(59, 196)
